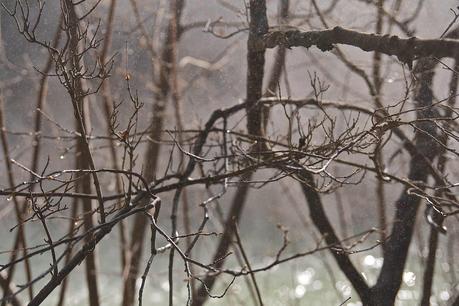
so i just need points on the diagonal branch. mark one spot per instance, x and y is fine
(322, 223)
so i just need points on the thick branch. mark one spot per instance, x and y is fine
(322, 223)
(406, 50)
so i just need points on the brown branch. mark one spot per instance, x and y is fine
(161, 80)
(85, 159)
(378, 83)
(108, 109)
(406, 50)
(8, 289)
(68, 256)
(255, 126)
(225, 241)
(20, 239)
(247, 262)
(75, 88)
(176, 9)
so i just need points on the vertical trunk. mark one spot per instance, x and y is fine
(377, 81)
(255, 67)
(152, 155)
(396, 248)
(65, 282)
(430, 268)
(8, 289)
(256, 122)
(20, 239)
(84, 159)
(225, 241)
(88, 222)
(108, 108)
(173, 83)
(442, 160)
